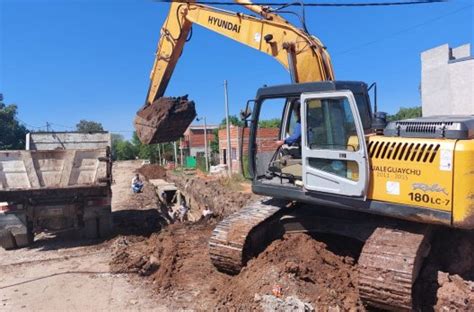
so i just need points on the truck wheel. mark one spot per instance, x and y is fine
(90, 228)
(105, 225)
(23, 238)
(7, 240)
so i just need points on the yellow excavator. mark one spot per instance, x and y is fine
(388, 186)
(166, 119)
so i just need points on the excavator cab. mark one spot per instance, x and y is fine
(331, 156)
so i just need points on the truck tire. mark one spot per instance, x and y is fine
(7, 241)
(16, 237)
(13, 231)
(105, 225)
(23, 238)
(90, 228)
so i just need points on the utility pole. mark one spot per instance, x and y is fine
(227, 125)
(175, 155)
(181, 151)
(206, 152)
(162, 154)
(48, 127)
(159, 154)
(205, 145)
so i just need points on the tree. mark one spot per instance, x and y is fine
(124, 150)
(405, 113)
(270, 123)
(151, 151)
(233, 120)
(116, 139)
(87, 126)
(12, 133)
(215, 142)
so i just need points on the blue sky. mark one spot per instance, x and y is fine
(66, 60)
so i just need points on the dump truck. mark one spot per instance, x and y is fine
(62, 181)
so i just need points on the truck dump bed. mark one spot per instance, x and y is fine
(38, 170)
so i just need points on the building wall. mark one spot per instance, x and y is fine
(447, 81)
(197, 137)
(193, 140)
(266, 138)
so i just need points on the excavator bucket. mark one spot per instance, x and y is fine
(165, 120)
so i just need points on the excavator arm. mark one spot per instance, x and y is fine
(303, 55)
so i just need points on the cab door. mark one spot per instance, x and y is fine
(334, 151)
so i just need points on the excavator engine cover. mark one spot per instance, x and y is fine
(165, 120)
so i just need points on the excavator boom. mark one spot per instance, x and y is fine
(303, 55)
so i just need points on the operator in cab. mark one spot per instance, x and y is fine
(291, 146)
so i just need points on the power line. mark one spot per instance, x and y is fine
(312, 4)
(402, 31)
(28, 125)
(62, 126)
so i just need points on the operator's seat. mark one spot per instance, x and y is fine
(293, 167)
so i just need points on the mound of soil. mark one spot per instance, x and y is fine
(299, 267)
(177, 262)
(151, 172)
(454, 293)
(296, 266)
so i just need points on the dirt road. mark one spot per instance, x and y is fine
(61, 273)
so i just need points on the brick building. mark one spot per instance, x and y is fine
(193, 141)
(266, 138)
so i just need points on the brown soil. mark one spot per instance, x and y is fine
(165, 120)
(177, 261)
(454, 293)
(297, 266)
(152, 172)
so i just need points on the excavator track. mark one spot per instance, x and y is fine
(389, 265)
(244, 234)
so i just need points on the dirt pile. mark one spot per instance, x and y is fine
(454, 293)
(165, 120)
(152, 171)
(177, 262)
(297, 266)
(295, 271)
